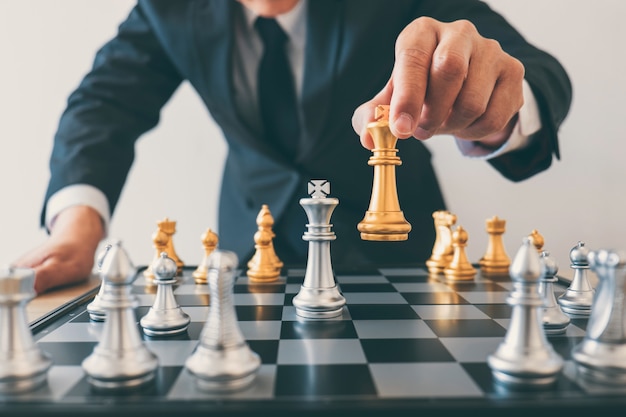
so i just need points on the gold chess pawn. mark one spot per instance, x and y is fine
(459, 269)
(384, 221)
(209, 243)
(442, 249)
(162, 239)
(265, 265)
(495, 261)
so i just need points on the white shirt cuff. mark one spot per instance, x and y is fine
(528, 123)
(78, 195)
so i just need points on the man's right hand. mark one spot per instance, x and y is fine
(67, 256)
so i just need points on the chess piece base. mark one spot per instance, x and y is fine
(384, 226)
(223, 370)
(123, 384)
(319, 303)
(27, 372)
(601, 362)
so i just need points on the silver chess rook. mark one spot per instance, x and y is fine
(525, 358)
(319, 297)
(23, 366)
(222, 361)
(120, 359)
(601, 356)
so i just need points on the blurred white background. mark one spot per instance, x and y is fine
(47, 46)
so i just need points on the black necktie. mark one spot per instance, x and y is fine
(276, 89)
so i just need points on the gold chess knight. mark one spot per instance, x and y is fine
(443, 250)
(163, 242)
(384, 221)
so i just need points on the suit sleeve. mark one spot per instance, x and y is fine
(545, 75)
(119, 99)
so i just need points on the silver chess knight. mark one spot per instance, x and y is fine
(222, 361)
(319, 297)
(525, 358)
(120, 360)
(165, 317)
(23, 366)
(577, 300)
(601, 356)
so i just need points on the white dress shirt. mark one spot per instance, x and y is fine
(246, 59)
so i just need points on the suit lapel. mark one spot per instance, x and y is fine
(213, 42)
(323, 42)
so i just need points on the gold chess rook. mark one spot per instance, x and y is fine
(384, 221)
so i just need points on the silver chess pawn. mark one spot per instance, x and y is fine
(23, 366)
(554, 320)
(222, 361)
(120, 360)
(577, 300)
(319, 297)
(601, 356)
(165, 317)
(525, 359)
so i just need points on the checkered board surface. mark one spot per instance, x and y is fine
(404, 339)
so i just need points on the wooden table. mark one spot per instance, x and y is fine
(49, 301)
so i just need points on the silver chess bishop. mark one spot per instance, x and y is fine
(319, 297)
(525, 358)
(120, 359)
(601, 356)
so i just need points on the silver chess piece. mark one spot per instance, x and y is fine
(601, 356)
(319, 297)
(23, 366)
(165, 317)
(525, 359)
(120, 360)
(222, 361)
(577, 300)
(94, 309)
(554, 320)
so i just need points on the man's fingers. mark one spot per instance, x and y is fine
(364, 114)
(449, 69)
(411, 71)
(502, 106)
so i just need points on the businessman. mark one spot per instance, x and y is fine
(454, 67)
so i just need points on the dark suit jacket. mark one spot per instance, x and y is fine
(349, 56)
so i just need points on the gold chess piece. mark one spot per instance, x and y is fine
(495, 261)
(265, 265)
(163, 242)
(442, 249)
(384, 221)
(537, 240)
(459, 269)
(209, 243)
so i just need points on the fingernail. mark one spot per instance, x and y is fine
(404, 124)
(422, 133)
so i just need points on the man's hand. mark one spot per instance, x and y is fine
(448, 79)
(67, 256)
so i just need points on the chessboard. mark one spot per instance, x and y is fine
(406, 344)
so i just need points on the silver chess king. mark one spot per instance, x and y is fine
(319, 296)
